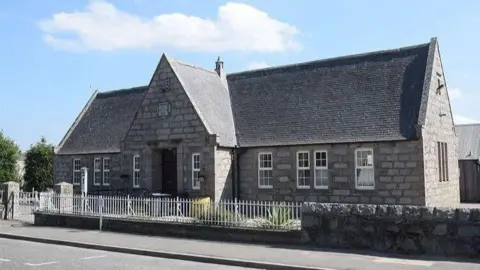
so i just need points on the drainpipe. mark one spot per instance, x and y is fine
(237, 152)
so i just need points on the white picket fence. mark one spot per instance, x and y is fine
(228, 213)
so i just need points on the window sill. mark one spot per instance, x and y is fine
(97, 185)
(322, 187)
(106, 185)
(265, 187)
(135, 186)
(196, 188)
(303, 187)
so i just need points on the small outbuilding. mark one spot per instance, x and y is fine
(469, 162)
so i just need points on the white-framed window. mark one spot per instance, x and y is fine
(321, 170)
(195, 171)
(106, 171)
(77, 172)
(265, 170)
(97, 171)
(136, 171)
(303, 170)
(442, 157)
(364, 169)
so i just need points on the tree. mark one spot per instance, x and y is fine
(9, 154)
(39, 166)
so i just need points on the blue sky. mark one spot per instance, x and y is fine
(55, 53)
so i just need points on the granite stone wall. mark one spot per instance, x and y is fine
(154, 228)
(438, 126)
(223, 174)
(399, 229)
(398, 174)
(63, 170)
(181, 129)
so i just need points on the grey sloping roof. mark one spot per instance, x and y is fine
(369, 97)
(468, 141)
(210, 98)
(104, 123)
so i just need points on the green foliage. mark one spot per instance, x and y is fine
(39, 166)
(278, 215)
(9, 154)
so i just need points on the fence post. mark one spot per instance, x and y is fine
(236, 211)
(177, 206)
(100, 211)
(128, 205)
(9, 190)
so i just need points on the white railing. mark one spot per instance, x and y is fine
(228, 213)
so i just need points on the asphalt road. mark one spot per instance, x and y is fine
(17, 255)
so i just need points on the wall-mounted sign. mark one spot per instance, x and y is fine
(164, 108)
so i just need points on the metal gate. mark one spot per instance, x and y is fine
(21, 205)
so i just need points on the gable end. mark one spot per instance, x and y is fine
(76, 121)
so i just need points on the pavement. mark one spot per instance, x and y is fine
(231, 254)
(18, 255)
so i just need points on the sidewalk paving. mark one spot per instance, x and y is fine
(246, 255)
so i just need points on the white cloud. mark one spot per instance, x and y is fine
(455, 93)
(238, 27)
(258, 65)
(460, 119)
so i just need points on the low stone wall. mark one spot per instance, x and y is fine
(400, 229)
(157, 228)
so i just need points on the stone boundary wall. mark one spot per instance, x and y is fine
(156, 228)
(399, 229)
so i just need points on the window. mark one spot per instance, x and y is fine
(196, 171)
(321, 170)
(77, 172)
(265, 169)
(303, 169)
(442, 153)
(136, 171)
(97, 171)
(106, 171)
(364, 171)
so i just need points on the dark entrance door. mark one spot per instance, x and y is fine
(169, 171)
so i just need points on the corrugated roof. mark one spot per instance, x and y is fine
(468, 141)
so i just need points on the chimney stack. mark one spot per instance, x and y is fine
(219, 67)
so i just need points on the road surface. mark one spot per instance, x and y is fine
(18, 255)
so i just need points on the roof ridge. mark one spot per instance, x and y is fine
(122, 90)
(344, 57)
(470, 124)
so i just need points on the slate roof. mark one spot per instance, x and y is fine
(468, 141)
(375, 96)
(104, 123)
(210, 98)
(368, 97)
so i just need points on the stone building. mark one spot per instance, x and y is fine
(368, 128)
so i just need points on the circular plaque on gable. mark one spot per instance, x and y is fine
(164, 108)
